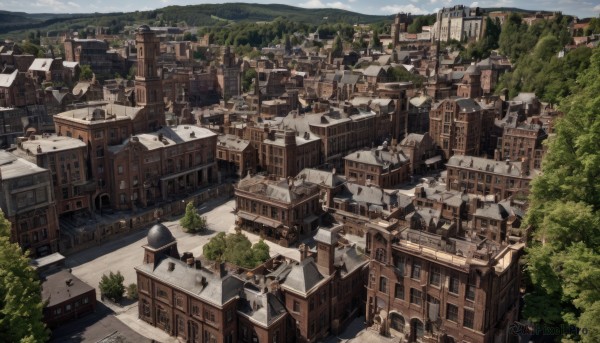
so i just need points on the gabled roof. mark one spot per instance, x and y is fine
(321, 177)
(260, 307)
(6, 80)
(41, 64)
(349, 259)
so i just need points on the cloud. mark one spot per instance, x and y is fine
(70, 3)
(319, 4)
(410, 8)
(474, 4)
(596, 8)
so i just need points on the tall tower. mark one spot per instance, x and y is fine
(148, 86)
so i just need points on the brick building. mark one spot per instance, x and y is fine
(67, 160)
(484, 176)
(96, 54)
(281, 210)
(17, 90)
(279, 301)
(456, 126)
(421, 152)
(383, 167)
(68, 298)
(425, 286)
(524, 141)
(28, 203)
(235, 156)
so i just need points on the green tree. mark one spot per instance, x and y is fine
(375, 42)
(214, 249)
(132, 291)
(86, 73)
(111, 286)
(247, 79)
(260, 252)
(563, 262)
(192, 222)
(237, 249)
(20, 293)
(337, 49)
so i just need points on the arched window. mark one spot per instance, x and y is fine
(380, 255)
(397, 322)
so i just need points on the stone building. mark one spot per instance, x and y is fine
(459, 23)
(279, 301)
(383, 167)
(96, 54)
(482, 176)
(28, 203)
(421, 152)
(17, 90)
(524, 141)
(284, 153)
(430, 285)
(280, 209)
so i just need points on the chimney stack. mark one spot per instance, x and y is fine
(303, 251)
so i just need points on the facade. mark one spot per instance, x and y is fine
(28, 203)
(458, 23)
(17, 90)
(149, 168)
(455, 126)
(524, 142)
(421, 151)
(94, 52)
(68, 298)
(67, 160)
(421, 291)
(235, 155)
(384, 167)
(279, 209)
(482, 176)
(279, 301)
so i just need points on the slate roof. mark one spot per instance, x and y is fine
(214, 290)
(260, 307)
(485, 164)
(6, 80)
(383, 158)
(468, 105)
(303, 276)
(50, 143)
(326, 236)
(349, 259)
(14, 167)
(232, 142)
(56, 290)
(321, 177)
(41, 64)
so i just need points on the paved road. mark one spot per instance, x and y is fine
(126, 253)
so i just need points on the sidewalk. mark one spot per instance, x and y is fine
(130, 318)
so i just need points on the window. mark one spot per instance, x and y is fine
(383, 284)
(380, 255)
(452, 313)
(470, 292)
(469, 319)
(195, 310)
(434, 276)
(209, 315)
(99, 151)
(453, 287)
(416, 270)
(399, 291)
(296, 307)
(399, 263)
(120, 169)
(415, 296)
(161, 293)
(68, 308)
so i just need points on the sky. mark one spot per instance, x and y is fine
(580, 8)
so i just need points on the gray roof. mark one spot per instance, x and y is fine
(378, 157)
(492, 211)
(41, 64)
(468, 105)
(277, 190)
(486, 164)
(50, 143)
(6, 80)
(213, 289)
(349, 259)
(14, 167)
(350, 79)
(159, 236)
(321, 177)
(372, 70)
(56, 290)
(232, 142)
(304, 276)
(263, 308)
(326, 236)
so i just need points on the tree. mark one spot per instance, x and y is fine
(237, 249)
(132, 291)
(248, 78)
(375, 42)
(192, 222)
(111, 285)
(337, 49)
(213, 250)
(86, 73)
(563, 262)
(20, 293)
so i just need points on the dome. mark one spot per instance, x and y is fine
(143, 28)
(159, 236)
(473, 70)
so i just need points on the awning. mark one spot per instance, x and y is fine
(268, 222)
(246, 215)
(433, 160)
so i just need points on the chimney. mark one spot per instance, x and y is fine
(171, 266)
(198, 263)
(497, 155)
(190, 262)
(303, 251)
(222, 271)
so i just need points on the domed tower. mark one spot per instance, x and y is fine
(160, 241)
(148, 86)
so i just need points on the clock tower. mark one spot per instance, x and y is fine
(148, 86)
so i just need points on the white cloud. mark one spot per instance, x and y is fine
(596, 8)
(410, 8)
(71, 3)
(319, 4)
(474, 4)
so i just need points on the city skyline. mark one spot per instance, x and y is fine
(581, 9)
